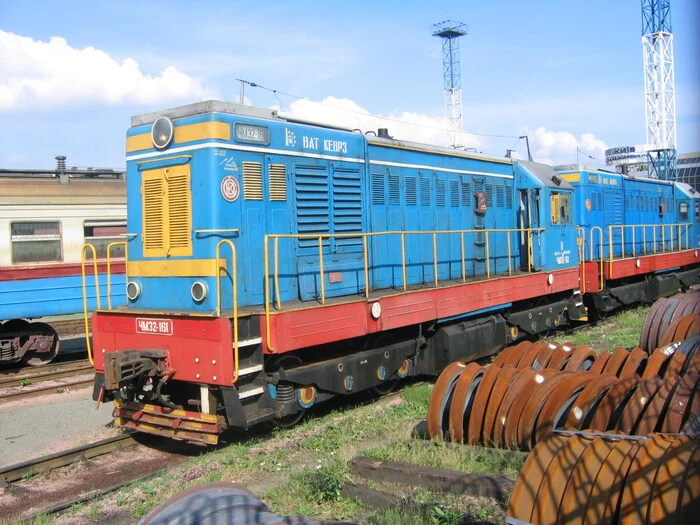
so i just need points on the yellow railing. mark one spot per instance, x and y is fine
(676, 232)
(109, 269)
(85, 297)
(530, 232)
(234, 289)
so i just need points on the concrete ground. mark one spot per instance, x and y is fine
(33, 427)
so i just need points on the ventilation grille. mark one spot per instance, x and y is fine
(311, 185)
(179, 213)
(377, 188)
(440, 192)
(252, 181)
(394, 198)
(454, 194)
(153, 216)
(278, 182)
(167, 212)
(489, 195)
(499, 196)
(509, 197)
(466, 194)
(411, 191)
(425, 192)
(347, 205)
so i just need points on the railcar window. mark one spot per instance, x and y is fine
(101, 233)
(561, 208)
(35, 241)
(683, 211)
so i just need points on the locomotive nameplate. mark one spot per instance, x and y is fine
(154, 326)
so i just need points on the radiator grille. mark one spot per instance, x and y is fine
(167, 212)
(278, 182)
(252, 181)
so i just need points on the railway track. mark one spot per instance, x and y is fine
(64, 458)
(23, 383)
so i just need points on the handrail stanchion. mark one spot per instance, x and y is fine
(320, 264)
(366, 261)
(276, 258)
(435, 262)
(85, 299)
(464, 261)
(266, 264)
(488, 261)
(109, 270)
(234, 286)
(510, 262)
(403, 261)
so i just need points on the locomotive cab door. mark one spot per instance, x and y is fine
(529, 220)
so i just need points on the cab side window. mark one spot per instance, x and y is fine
(560, 208)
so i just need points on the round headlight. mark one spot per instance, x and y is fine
(162, 132)
(133, 290)
(199, 291)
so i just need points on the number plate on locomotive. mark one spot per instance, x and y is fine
(154, 326)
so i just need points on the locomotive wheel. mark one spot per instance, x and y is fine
(34, 358)
(386, 386)
(288, 362)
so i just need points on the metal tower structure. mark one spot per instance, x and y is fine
(450, 32)
(659, 87)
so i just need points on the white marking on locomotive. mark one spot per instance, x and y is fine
(154, 326)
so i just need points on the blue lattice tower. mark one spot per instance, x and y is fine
(450, 32)
(659, 87)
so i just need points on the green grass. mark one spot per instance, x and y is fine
(441, 455)
(624, 330)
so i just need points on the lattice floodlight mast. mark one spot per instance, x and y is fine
(659, 87)
(450, 32)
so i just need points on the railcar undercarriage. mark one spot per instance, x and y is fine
(281, 388)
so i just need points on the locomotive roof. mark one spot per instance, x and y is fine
(546, 175)
(231, 108)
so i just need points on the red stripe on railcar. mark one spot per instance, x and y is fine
(649, 264)
(303, 328)
(44, 271)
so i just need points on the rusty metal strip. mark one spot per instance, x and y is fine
(528, 389)
(528, 419)
(637, 403)
(439, 398)
(580, 411)
(498, 391)
(478, 411)
(612, 403)
(462, 397)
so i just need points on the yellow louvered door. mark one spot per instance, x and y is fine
(167, 212)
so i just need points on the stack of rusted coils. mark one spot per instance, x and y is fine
(670, 319)
(585, 477)
(532, 389)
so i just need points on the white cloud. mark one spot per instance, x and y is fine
(560, 147)
(35, 73)
(401, 125)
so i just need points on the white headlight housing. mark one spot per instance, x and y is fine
(162, 132)
(133, 290)
(199, 291)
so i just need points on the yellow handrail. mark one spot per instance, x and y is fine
(109, 270)
(234, 279)
(97, 294)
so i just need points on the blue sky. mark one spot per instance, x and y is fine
(569, 74)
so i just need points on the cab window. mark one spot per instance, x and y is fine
(561, 208)
(683, 211)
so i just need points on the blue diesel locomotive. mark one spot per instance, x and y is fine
(274, 263)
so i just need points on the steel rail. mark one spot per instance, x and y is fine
(15, 376)
(27, 394)
(64, 458)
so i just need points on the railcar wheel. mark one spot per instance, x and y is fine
(287, 362)
(49, 348)
(16, 326)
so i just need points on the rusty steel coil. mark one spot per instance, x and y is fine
(586, 477)
(662, 323)
(517, 408)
